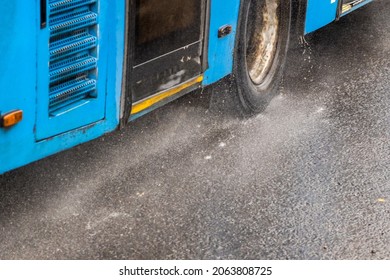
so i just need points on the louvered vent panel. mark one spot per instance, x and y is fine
(73, 59)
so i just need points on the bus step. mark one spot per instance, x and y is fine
(348, 5)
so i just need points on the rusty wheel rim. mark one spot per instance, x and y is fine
(262, 38)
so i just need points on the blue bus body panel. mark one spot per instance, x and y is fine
(221, 50)
(320, 13)
(19, 46)
(22, 43)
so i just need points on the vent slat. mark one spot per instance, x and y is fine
(61, 6)
(72, 45)
(71, 67)
(73, 22)
(75, 90)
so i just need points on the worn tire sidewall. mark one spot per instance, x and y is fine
(254, 98)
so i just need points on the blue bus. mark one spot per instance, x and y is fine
(73, 70)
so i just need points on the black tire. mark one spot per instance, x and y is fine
(257, 85)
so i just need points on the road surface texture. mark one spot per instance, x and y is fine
(307, 179)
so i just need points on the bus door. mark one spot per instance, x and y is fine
(166, 46)
(71, 72)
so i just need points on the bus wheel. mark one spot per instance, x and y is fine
(263, 37)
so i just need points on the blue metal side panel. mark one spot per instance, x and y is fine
(18, 73)
(17, 78)
(320, 13)
(220, 52)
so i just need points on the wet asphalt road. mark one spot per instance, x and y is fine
(307, 179)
